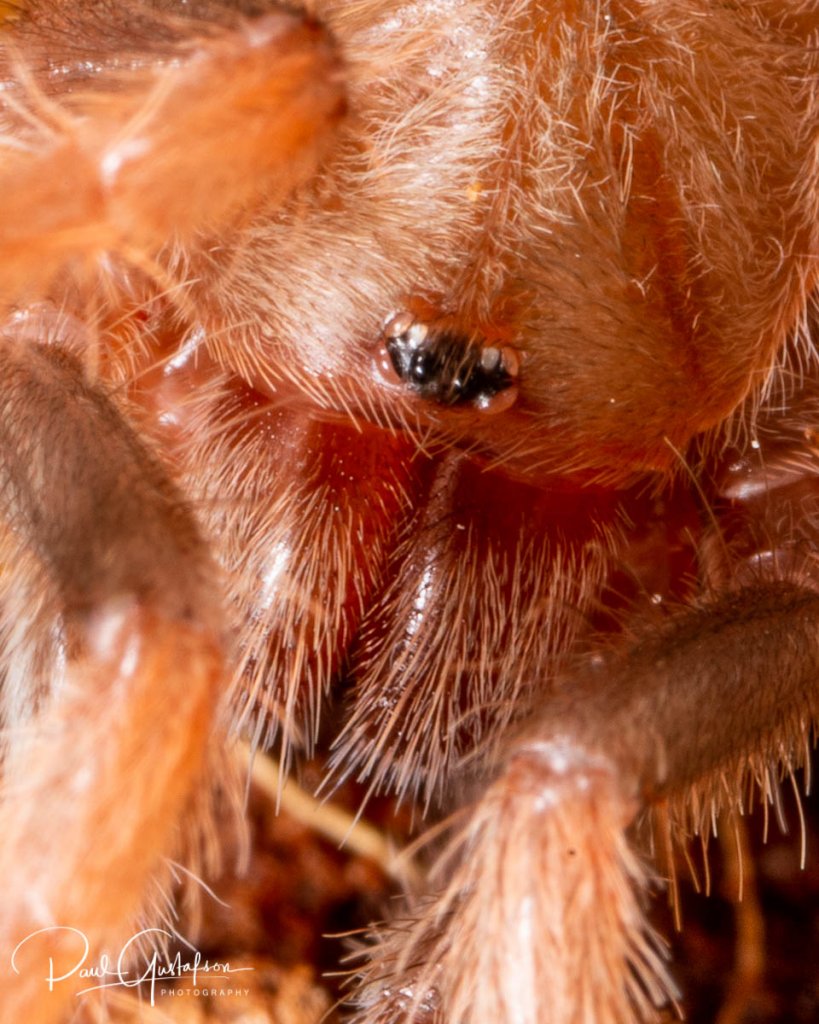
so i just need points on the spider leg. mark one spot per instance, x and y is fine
(179, 146)
(538, 914)
(102, 760)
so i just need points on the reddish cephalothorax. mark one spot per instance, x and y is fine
(452, 358)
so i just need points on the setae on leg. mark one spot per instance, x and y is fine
(104, 749)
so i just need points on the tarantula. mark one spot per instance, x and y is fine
(451, 360)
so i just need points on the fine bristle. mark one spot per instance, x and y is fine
(540, 920)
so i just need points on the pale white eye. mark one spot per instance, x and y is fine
(417, 335)
(398, 325)
(490, 358)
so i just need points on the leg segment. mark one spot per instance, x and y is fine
(205, 122)
(105, 750)
(538, 917)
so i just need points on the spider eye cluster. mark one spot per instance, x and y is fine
(448, 367)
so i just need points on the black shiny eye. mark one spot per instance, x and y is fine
(446, 367)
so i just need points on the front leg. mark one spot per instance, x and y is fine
(111, 728)
(539, 912)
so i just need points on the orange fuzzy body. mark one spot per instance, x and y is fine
(596, 220)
